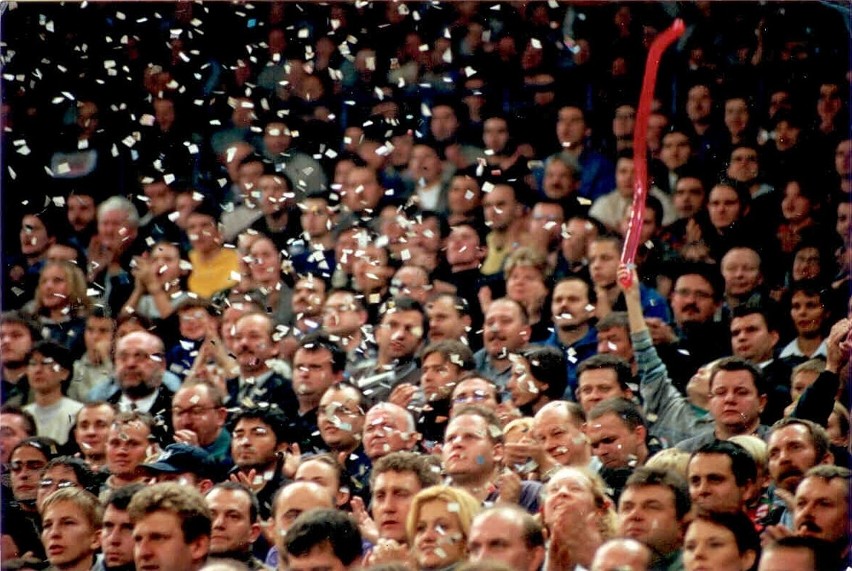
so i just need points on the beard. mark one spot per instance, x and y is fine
(142, 390)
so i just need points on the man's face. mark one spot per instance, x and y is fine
(127, 446)
(615, 341)
(386, 430)
(45, 374)
(117, 537)
(361, 190)
(15, 343)
(294, 500)
(688, 196)
(445, 321)
(698, 104)
(319, 557)
(463, 246)
(595, 385)
(785, 558)
(69, 538)
(341, 316)
(558, 180)
(501, 207)
(400, 333)
(27, 467)
(160, 197)
(553, 429)
(603, 262)
(791, 453)
(392, 495)
(81, 211)
(648, 515)
(316, 217)
(675, 151)
(734, 401)
(139, 363)
(202, 231)
(312, 372)
(570, 127)
(92, 429)
(500, 537)
(692, 300)
(274, 194)
(13, 429)
(743, 166)
(713, 486)
(253, 344)
(253, 444)
(545, 225)
(444, 122)
(570, 305)
(340, 419)
(233, 530)
(115, 230)
(469, 452)
(438, 376)
(495, 134)
(504, 329)
(193, 409)
(741, 270)
(159, 544)
(276, 138)
(751, 339)
(613, 442)
(624, 176)
(724, 206)
(371, 271)
(821, 509)
(99, 330)
(425, 165)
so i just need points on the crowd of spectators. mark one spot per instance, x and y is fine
(337, 285)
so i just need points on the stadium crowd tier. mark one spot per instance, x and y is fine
(337, 285)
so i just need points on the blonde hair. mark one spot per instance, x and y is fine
(755, 447)
(78, 300)
(524, 424)
(608, 520)
(85, 501)
(670, 459)
(465, 506)
(526, 257)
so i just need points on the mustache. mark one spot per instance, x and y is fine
(810, 526)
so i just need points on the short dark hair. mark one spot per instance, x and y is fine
(740, 525)
(406, 304)
(740, 364)
(254, 504)
(319, 340)
(119, 498)
(85, 477)
(29, 420)
(743, 465)
(614, 319)
(460, 304)
(492, 421)
(324, 527)
(425, 468)
(453, 351)
(21, 318)
(645, 476)
(709, 272)
(607, 361)
(270, 415)
(590, 289)
(628, 411)
(547, 365)
(824, 554)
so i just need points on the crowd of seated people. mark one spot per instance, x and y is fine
(340, 286)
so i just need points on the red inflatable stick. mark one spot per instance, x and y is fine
(640, 142)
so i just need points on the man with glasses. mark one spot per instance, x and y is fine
(341, 423)
(198, 416)
(139, 367)
(345, 320)
(64, 472)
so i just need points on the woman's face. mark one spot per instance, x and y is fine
(807, 313)
(711, 546)
(53, 288)
(524, 387)
(438, 538)
(526, 285)
(736, 115)
(27, 466)
(568, 491)
(795, 206)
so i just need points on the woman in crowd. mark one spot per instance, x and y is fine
(721, 542)
(61, 304)
(438, 526)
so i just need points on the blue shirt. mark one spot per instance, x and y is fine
(575, 354)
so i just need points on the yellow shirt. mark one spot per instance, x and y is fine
(207, 278)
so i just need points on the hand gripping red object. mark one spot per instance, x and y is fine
(640, 143)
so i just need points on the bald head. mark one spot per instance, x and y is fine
(622, 555)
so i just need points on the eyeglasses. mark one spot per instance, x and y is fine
(43, 363)
(191, 411)
(478, 396)
(48, 483)
(335, 408)
(696, 293)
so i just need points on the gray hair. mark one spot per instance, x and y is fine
(120, 204)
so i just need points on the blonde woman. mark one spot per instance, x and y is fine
(438, 526)
(578, 515)
(61, 305)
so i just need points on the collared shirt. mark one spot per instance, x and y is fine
(144, 404)
(792, 350)
(485, 366)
